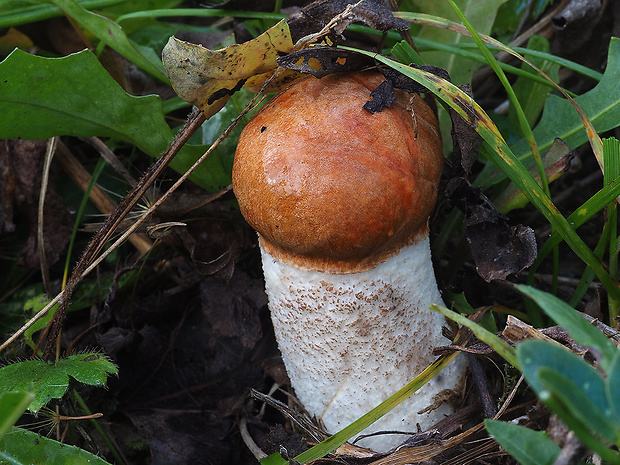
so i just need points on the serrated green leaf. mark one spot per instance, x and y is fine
(50, 380)
(601, 105)
(527, 446)
(23, 447)
(12, 405)
(75, 96)
(92, 368)
(535, 355)
(577, 326)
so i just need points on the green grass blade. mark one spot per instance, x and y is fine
(568, 64)
(22, 13)
(198, 13)
(111, 34)
(611, 154)
(450, 48)
(587, 210)
(503, 349)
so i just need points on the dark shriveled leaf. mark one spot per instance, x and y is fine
(497, 248)
(382, 96)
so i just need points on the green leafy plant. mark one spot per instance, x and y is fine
(51, 380)
(12, 405)
(527, 446)
(31, 385)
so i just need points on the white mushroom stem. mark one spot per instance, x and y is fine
(349, 341)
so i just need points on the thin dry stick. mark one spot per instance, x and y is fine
(49, 155)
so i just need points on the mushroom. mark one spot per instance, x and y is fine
(340, 198)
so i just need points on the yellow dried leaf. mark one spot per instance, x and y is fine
(206, 78)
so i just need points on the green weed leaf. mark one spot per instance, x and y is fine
(50, 380)
(574, 391)
(581, 406)
(535, 354)
(39, 107)
(12, 405)
(528, 447)
(22, 447)
(601, 105)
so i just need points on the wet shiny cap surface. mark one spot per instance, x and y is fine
(330, 186)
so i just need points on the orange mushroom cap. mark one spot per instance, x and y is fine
(330, 186)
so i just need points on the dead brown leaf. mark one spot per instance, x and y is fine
(207, 78)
